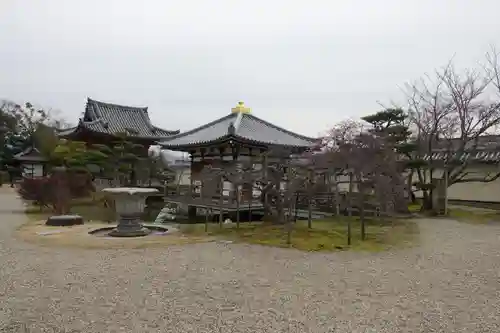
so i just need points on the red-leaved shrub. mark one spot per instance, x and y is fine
(35, 190)
(56, 190)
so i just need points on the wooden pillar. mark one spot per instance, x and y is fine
(221, 188)
(191, 208)
(191, 157)
(265, 175)
(236, 187)
(202, 181)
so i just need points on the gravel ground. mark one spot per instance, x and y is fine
(449, 284)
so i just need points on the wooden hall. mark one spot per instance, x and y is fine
(102, 122)
(237, 138)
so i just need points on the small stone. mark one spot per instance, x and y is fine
(64, 220)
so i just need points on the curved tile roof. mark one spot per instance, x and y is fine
(111, 119)
(30, 154)
(238, 125)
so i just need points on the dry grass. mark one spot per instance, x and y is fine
(95, 216)
(325, 235)
(78, 236)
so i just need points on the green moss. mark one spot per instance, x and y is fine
(414, 208)
(325, 235)
(474, 216)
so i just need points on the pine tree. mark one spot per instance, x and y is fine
(391, 127)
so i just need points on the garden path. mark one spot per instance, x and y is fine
(451, 283)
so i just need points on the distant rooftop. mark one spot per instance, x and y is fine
(111, 119)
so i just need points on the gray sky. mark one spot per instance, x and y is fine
(303, 65)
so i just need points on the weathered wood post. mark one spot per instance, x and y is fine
(221, 200)
(309, 199)
(349, 209)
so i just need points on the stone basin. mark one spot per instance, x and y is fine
(129, 203)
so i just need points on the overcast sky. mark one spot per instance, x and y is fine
(303, 65)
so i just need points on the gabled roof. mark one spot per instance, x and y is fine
(30, 154)
(240, 126)
(112, 119)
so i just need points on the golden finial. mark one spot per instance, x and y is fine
(240, 108)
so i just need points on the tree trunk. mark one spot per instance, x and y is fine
(411, 196)
(362, 214)
(336, 194)
(289, 224)
(250, 209)
(237, 191)
(349, 210)
(426, 201)
(309, 212)
(206, 219)
(310, 198)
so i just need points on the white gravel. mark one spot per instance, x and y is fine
(449, 284)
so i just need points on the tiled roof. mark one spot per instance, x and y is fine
(238, 125)
(112, 119)
(30, 154)
(486, 150)
(482, 156)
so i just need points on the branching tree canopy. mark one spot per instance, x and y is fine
(450, 118)
(451, 112)
(19, 126)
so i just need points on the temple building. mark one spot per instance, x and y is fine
(237, 137)
(104, 121)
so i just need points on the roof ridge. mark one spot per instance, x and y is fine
(300, 136)
(92, 108)
(237, 122)
(181, 134)
(145, 117)
(177, 131)
(138, 108)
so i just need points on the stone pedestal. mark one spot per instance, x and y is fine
(129, 204)
(129, 225)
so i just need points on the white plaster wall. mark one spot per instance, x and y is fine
(35, 170)
(183, 177)
(474, 191)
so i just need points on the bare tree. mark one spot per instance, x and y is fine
(451, 111)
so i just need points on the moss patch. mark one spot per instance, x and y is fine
(325, 235)
(474, 215)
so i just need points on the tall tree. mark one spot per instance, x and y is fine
(452, 112)
(19, 125)
(123, 160)
(392, 127)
